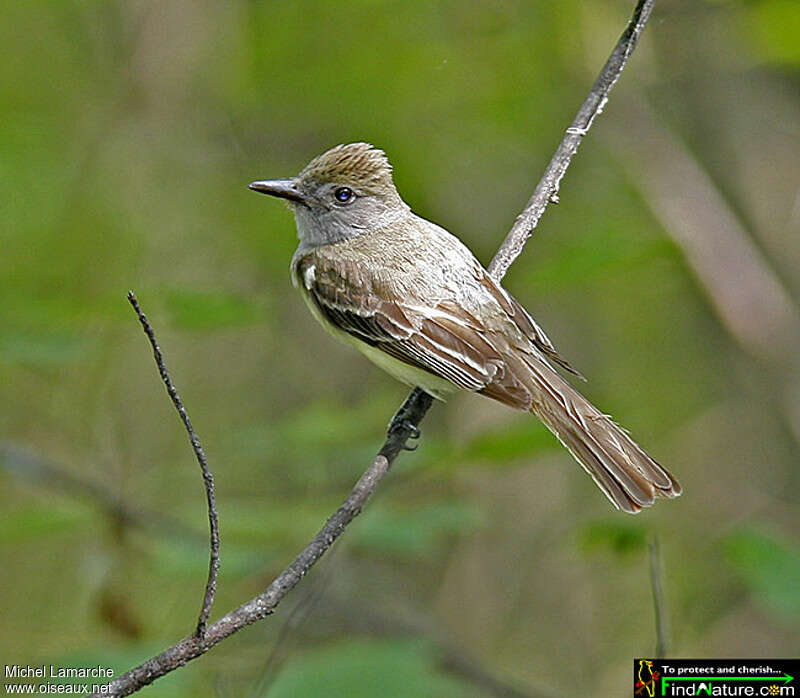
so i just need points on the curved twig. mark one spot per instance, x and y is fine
(208, 478)
(265, 604)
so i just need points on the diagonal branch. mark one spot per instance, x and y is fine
(208, 478)
(265, 604)
(547, 189)
(404, 424)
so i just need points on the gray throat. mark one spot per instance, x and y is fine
(317, 228)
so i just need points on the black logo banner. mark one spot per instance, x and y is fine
(698, 678)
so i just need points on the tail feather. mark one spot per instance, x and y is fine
(629, 477)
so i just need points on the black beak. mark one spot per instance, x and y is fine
(283, 188)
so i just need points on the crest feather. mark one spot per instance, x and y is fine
(358, 164)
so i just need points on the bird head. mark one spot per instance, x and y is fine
(345, 192)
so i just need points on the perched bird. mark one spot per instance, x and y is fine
(414, 300)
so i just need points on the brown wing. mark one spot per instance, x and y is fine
(481, 339)
(525, 322)
(435, 339)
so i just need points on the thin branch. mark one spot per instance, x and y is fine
(662, 632)
(287, 637)
(381, 620)
(547, 190)
(208, 478)
(404, 424)
(265, 604)
(26, 464)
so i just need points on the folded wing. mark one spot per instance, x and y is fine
(485, 343)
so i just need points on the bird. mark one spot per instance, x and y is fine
(414, 300)
(647, 678)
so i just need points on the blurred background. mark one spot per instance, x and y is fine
(487, 563)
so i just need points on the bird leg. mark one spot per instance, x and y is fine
(403, 426)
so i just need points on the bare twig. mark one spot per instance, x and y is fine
(547, 190)
(405, 422)
(265, 604)
(287, 636)
(208, 478)
(662, 631)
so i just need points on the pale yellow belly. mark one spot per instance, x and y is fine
(410, 375)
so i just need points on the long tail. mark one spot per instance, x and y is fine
(627, 475)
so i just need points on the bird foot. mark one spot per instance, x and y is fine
(404, 428)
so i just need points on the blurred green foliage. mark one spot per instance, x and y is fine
(129, 134)
(769, 566)
(622, 538)
(354, 669)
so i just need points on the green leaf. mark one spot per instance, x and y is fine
(623, 538)
(418, 531)
(511, 443)
(402, 669)
(768, 565)
(22, 523)
(43, 349)
(774, 27)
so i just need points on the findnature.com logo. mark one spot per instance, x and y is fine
(715, 677)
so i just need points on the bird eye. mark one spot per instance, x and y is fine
(344, 195)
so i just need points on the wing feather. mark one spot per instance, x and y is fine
(523, 320)
(463, 327)
(433, 339)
